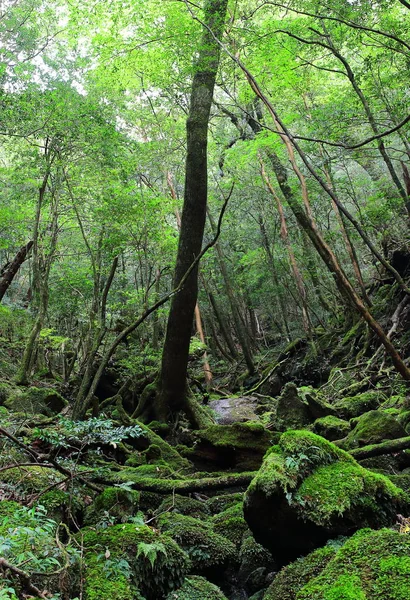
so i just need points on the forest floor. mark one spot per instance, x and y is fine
(299, 491)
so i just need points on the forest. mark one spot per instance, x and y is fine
(205, 300)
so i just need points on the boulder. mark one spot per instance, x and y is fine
(156, 564)
(308, 491)
(331, 428)
(317, 403)
(196, 588)
(353, 406)
(234, 410)
(371, 565)
(209, 552)
(373, 427)
(292, 578)
(34, 401)
(240, 446)
(292, 411)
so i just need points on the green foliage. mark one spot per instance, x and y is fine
(97, 430)
(30, 540)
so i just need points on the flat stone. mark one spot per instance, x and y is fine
(235, 410)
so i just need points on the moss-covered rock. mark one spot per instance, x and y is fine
(372, 565)
(221, 502)
(256, 563)
(240, 446)
(117, 503)
(353, 406)
(184, 505)
(317, 403)
(209, 552)
(154, 563)
(63, 506)
(292, 578)
(30, 479)
(308, 491)
(373, 427)
(100, 584)
(231, 524)
(197, 588)
(331, 428)
(292, 411)
(34, 401)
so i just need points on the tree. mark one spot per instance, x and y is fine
(171, 395)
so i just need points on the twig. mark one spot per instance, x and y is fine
(24, 578)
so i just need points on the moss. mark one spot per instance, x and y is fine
(185, 506)
(239, 435)
(253, 556)
(32, 479)
(159, 428)
(5, 391)
(373, 427)
(354, 406)
(372, 565)
(231, 524)
(168, 452)
(240, 446)
(295, 576)
(347, 489)
(292, 411)
(313, 491)
(160, 470)
(136, 460)
(331, 428)
(62, 506)
(99, 585)
(207, 549)
(119, 503)
(197, 588)
(44, 401)
(220, 503)
(156, 564)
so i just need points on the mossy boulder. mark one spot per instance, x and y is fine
(372, 565)
(30, 479)
(184, 505)
(318, 405)
(34, 401)
(154, 563)
(373, 427)
(231, 524)
(308, 491)
(292, 578)
(221, 502)
(240, 446)
(292, 411)
(197, 588)
(331, 428)
(256, 564)
(350, 407)
(116, 503)
(209, 552)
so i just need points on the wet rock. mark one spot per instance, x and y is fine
(235, 410)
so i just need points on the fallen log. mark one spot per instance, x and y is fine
(388, 447)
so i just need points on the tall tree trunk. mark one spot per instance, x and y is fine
(171, 391)
(10, 270)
